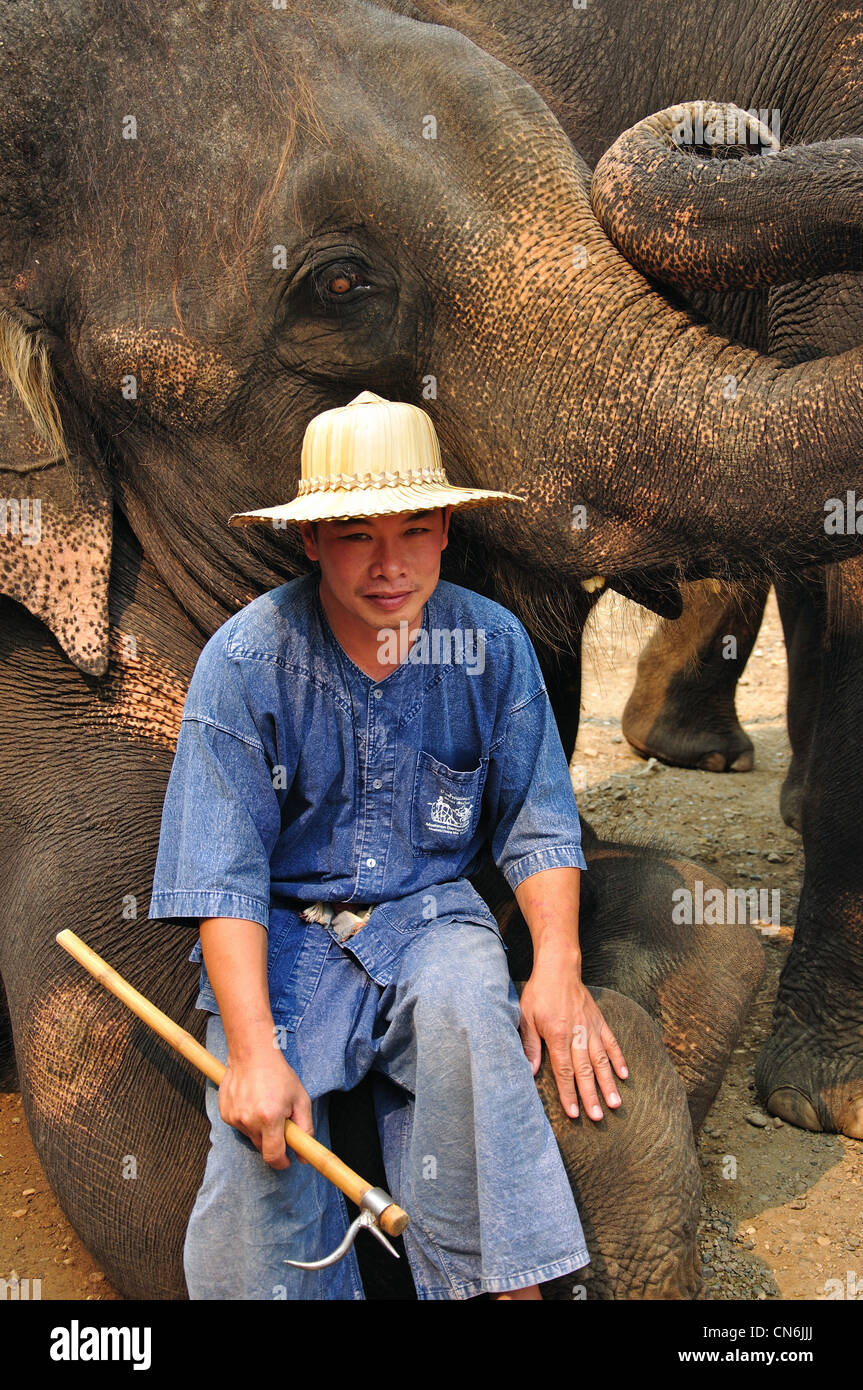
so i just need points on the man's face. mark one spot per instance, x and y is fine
(378, 570)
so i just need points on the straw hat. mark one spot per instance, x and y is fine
(370, 458)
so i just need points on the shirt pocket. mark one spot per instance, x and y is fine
(446, 805)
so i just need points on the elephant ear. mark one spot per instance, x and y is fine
(55, 505)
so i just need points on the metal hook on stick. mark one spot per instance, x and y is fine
(378, 1212)
(373, 1204)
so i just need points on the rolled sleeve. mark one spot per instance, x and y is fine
(559, 857)
(537, 825)
(221, 816)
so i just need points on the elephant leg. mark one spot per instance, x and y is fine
(641, 1157)
(807, 320)
(116, 1118)
(678, 990)
(681, 709)
(634, 1174)
(801, 607)
(114, 1114)
(810, 1070)
(8, 1069)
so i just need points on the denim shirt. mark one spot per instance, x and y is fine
(298, 778)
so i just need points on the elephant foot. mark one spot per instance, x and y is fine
(668, 734)
(810, 1085)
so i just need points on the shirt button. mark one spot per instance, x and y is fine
(377, 694)
(370, 863)
(377, 784)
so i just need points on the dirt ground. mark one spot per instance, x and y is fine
(788, 1221)
(792, 1218)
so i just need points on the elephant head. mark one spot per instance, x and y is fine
(216, 221)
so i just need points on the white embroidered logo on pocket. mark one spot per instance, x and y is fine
(450, 814)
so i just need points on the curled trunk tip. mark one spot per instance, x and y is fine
(701, 196)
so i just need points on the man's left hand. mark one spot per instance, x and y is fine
(558, 1007)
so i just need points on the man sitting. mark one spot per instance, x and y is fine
(351, 742)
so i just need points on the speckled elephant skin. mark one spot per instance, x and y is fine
(217, 221)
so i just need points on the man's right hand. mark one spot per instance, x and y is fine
(257, 1095)
(259, 1091)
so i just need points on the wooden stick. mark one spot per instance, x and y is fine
(393, 1219)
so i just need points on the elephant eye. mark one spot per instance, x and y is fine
(342, 289)
(341, 282)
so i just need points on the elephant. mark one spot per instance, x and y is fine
(198, 256)
(603, 69)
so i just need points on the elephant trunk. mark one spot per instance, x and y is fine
(670, 443)
(728, 455)
(701, 197)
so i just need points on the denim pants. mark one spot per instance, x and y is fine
(468, 1149)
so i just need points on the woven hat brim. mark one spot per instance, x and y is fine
(341, 504)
